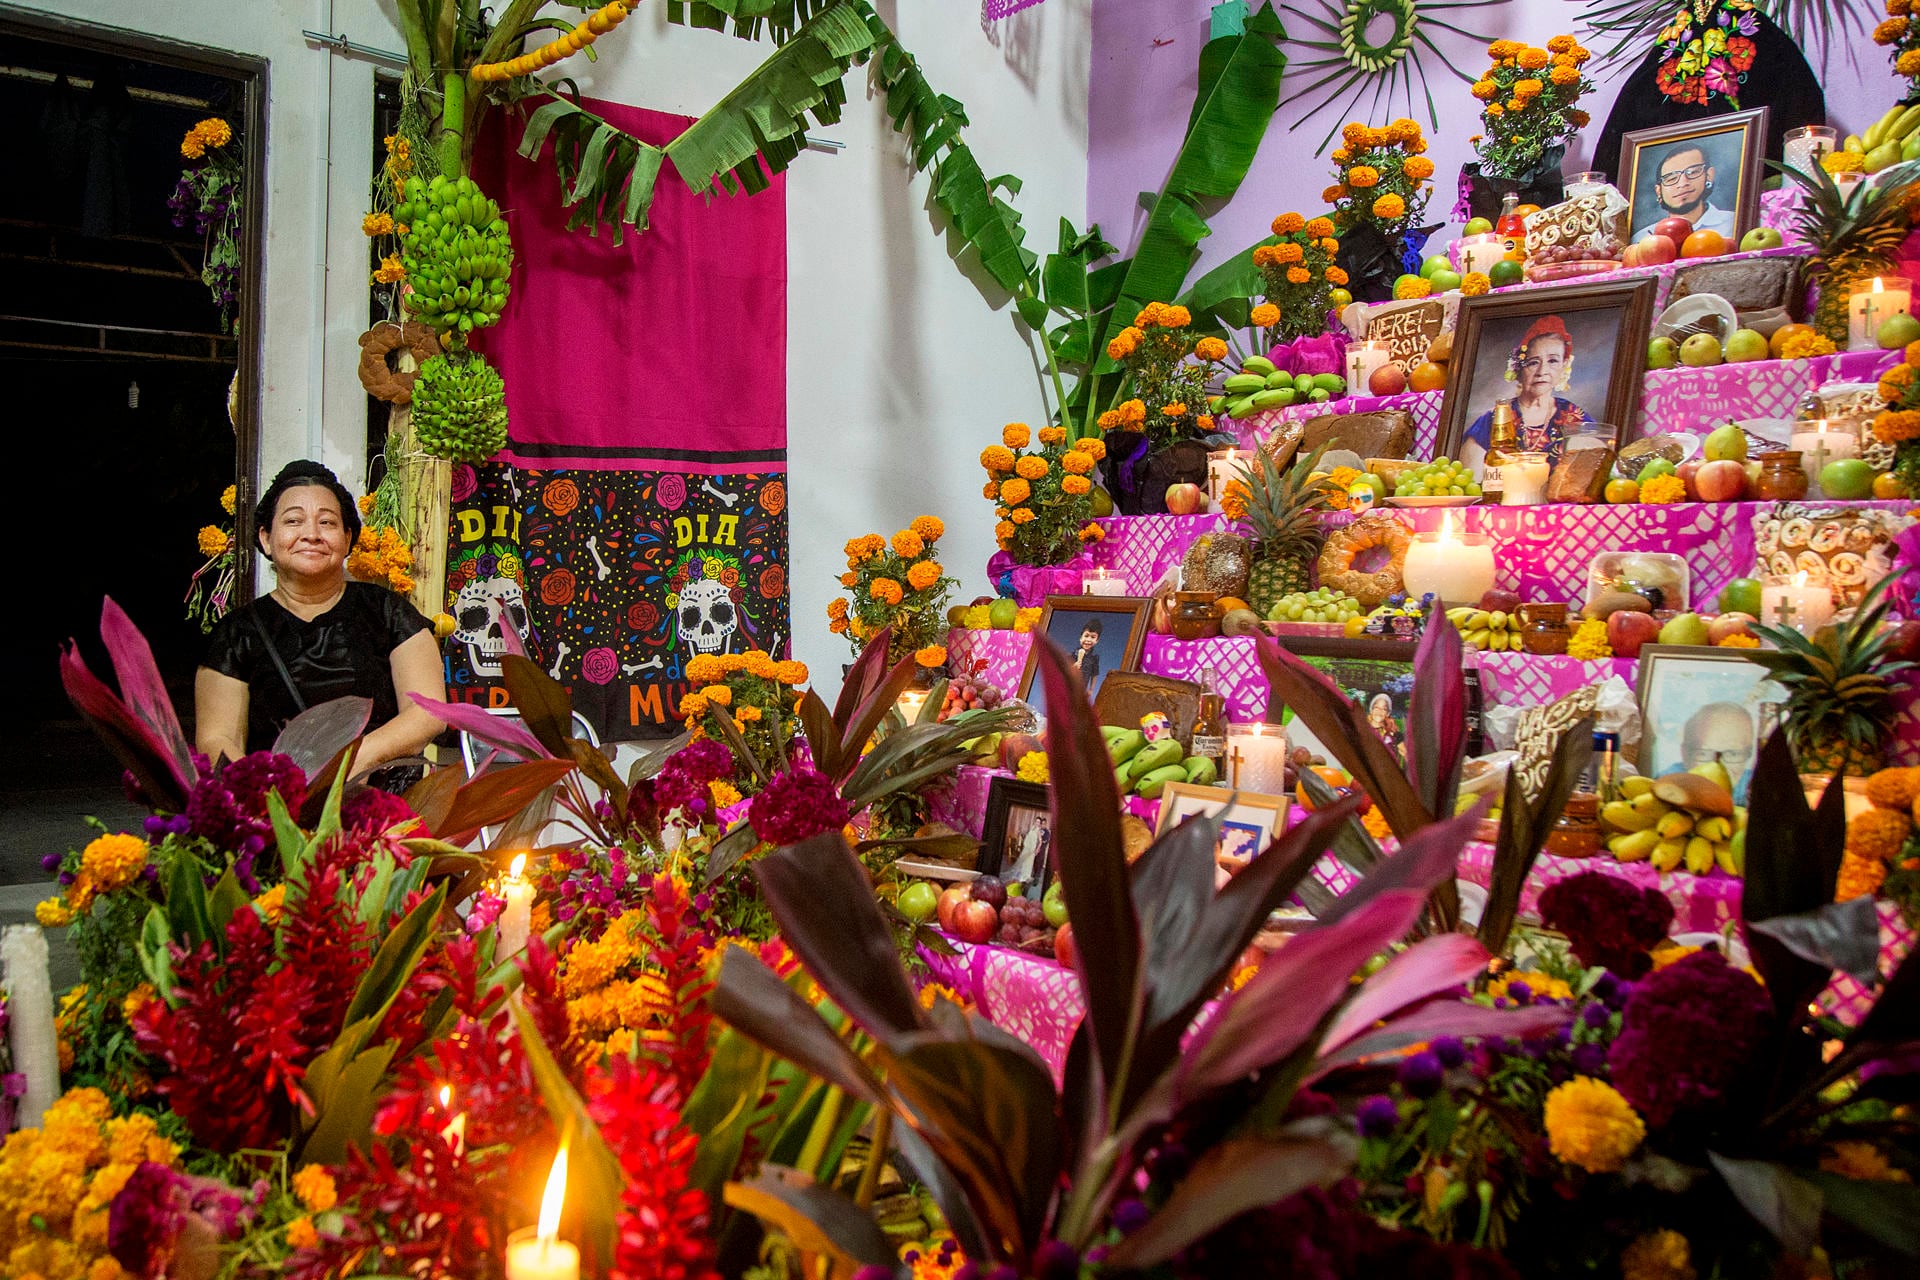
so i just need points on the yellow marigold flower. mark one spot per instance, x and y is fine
(996, 459)
(1354, 133)
(1415, 288)
(907, 544)
(1389, 207)
(1658, 1255)
(1562, 44)
(977, 618)
(1286, 253)
(1908, 63)
(390, 270)
(923, 575)
(1288, 223)
(1298, 275)
(313, 1187)
(214, 131)
(1896, 8)
(1088, 533)
(837, 607)
(1332, 194)
(707, 668)
(930, 656)
(1052, 435)
(1178, 409)
(1895, 789)
(1004, 531)
(377, 224)
(1663, 489)
(744, 716)
(1494, 111)
(1591, 1126)
(791, 671)
(1025, 515)
(1213, 349)
(1843, 162)
(929, 528)
(1504, 49)
(1335, 275)
(1485, 90)
(1564, 75)
(1014, 435)
(113, 860)
(272, 904)
(1475, 283)
(1804, 345)
(1879, 833)
(1033, 768)
(227, 498)
(1363, 176)
(213, 541)
(1889, 32)
(1859, 877)
(1030, 467)
(191, 148)
(1861, 1161)
(1419, 168)
(693, 706)
(1093, 447)
(52, 913)
(1896, 425)
(1340, 155)
(1028, 619)
(1541, 984)
(1265, 316)
(1532, 59)
(1014, 492)
(1517, 104)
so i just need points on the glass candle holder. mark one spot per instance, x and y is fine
(1454, 568)
(1586, 184)
(1802, 148)
(1257, 758)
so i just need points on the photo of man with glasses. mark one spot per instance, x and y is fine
(1681, 186)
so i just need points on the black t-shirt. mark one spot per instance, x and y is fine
(343, 652)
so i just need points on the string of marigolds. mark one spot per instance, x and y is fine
(598, 23)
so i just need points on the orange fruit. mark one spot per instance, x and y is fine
(1428, 377)
(1780, 336)
(1622, 491)
(1887, 485)
(1227, 604)
(1331, 776)
(1525, 210)
(1704, 244)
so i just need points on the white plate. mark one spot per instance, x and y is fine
(1450, 500)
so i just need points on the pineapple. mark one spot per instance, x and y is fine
(1853, 238)
(1839, 708)
(1283, 511)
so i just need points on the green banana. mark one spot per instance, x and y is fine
(1243, 383)
(1271, 400)
(1257, 364)
(1909, 120)
(1879, 128)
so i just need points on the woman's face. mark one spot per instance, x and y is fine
(1543, 367)
(308, 537)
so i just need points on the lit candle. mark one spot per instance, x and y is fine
(911, 703)
(1363, 358)
(516, 918)
(1804, 607)
(1455, 570)
(30, 1032)
(1592, 182)
(1257, 758)
(1820, 446)
(1872, 307)
(1102, 582)
(1223, 467)
(1479, 253)
(541, 1255)
(455, 1132)
(1524, 480)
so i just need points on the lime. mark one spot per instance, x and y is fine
(1435, 262)
(1742, 595)
(1505, 272)
(1848, 479)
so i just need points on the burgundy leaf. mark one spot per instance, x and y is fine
(141, 687)
(1425, 969)
(871, 711)
(1437, 717)
(543, 702)
(504, 732)
(132, 743)
(755, 1002)
(496, 796)
(1423, 862)
(317, 734)
(865, 674)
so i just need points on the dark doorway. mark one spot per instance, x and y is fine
(119, 364)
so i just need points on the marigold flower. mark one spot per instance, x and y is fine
(1895, 789)
(1528, 89)
(1862, 1162)
(1475, 283)
(1336, 275)
(1532, 59)
(1030, 467)
(1076, 486)
(1320, 227)
(848, 579)
(1516, 105)
(907, 544)
(1889, 32)
(1340, 155)
(1121, 347)
(1177, 409)
(301, 1234)
(718, 695)
(1564, 76)
(1485, 90)
(1265, 316)
(1354, 133)
(1079, 462)
(191, 147)
(1859, 877)
(1288, 223)
(1415, 288)
(887, 591)
(1494, 111)
(1134, 411)
(1658, 1255)
(930, 529)
(930, 656)
(1663, 489)
(1093, 447)
(1108, 421)
(1878, 833)
(1580, 119)
(1805, 345)
(1015, 435)
(1175, 316)
(1004, 531)
(1333, 194)
(1204, 422)
(996, 459)
(837, 607)
(791, 671)
(1298, 275)
(1419, 168)
(1389, 206)
(377, 224)
(1591, 1126)
(923, 575)
(1287, 253)
(213, 541)
(1025, 515)
(1210, 349)
(272, 904)
(1263, 255)
(390, 271)
(1896, 425)
(1363, 176)
(838, 626)
(1908, 63)
(1033, 768)
(1052, 435)
(1088, 533)
(313, 1186)
(1014, 492)
(111, 861)
(52, 913)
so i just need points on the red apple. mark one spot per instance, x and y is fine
(950, 899)
(1729, 624)
(1903, 642)
(1185, 499)
(1063, 948)
(1722, 481)
(1015, 745)
(1627, 631)
(1687, 471)
(1650, 251)
(1497, 601)
(1674, 229)
(1387, 380)
(975, 921)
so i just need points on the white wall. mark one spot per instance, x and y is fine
(898, 370)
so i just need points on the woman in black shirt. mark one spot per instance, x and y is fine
(334, 637)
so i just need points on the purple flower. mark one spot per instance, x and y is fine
(1377, 1116)
(1590, 1060)
(1519, 992)
(1421, 1073)
(1596, 1015)
(1129, 1216)
(1689, 1032)
(1055, 1260)
(159, 1212)
(796, 805)
(51, 862)
(1449, 1049)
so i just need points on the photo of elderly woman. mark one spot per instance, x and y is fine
(1538, 378)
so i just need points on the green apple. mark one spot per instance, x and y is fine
(1478, 226)
(1744, 345)
(1848, 479)
(1742, 595)
(917, 901)
(1658, 467)
(1700, 351)
(1728, 442)
(1687, 628)
(1895, 333)
(1444, 279)
(1435, 262)
(1662, 354)
(1761, 238)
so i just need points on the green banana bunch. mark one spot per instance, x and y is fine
(456, 252)
(460, 407)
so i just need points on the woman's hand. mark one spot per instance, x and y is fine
(416, 669)
(219, 715)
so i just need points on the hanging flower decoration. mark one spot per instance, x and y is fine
(208, 195)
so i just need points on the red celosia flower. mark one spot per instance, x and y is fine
(1608, 922)
(797, 804)
(1689, 1033)
(664, 1228)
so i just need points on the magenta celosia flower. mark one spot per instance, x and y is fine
(161, 1213)
(1609, 923)
(376, 810)
(1688, 1033)
(798, 804)
(229, 808)
(682, 781)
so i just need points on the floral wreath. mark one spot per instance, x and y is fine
(483, 562)
(1544, 327)
(1708, 48)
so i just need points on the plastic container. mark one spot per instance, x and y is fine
(1643, 573)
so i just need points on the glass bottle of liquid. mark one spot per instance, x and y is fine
(1210, 727)
(1503, 446)
(1511, 227)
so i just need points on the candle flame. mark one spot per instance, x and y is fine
(446, 1097)
(518, 865)
(1446, 526)
(1800, 578)
(556, 1193)
(1878, 285)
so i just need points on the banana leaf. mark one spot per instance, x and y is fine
(778, 18)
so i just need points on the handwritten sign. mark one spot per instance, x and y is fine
(1408, 330)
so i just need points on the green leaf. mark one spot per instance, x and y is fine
(344, 1103)
(394, 963)
(1885, 1211)
(594, 1178)
(226, 899)
(188, 919)
(288, 838)
(725, 1106)
(818, 1220)
(156, 961)
(1785, 1204)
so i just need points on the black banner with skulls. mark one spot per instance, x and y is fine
(621, 578)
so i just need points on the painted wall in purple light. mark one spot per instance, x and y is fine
(1142, 89)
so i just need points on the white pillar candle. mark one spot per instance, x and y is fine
(1257, 758)
(1885, 298)
(1524, 480)
(30, 1032)
(1223, 467)
(1456, 570)
(1363, 358)
(540, 1254)
(1102, 582)
(1820, 446)
(1798, 604)
(516, 918)
(1479, 253)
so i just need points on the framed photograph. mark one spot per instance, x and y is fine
(1377, 676)
(1248, 821)
(1699, 704)
(1706, 171)
(1569, 358)
(1099, 635)
(1017, 837)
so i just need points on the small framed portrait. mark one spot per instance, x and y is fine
(1568, 359)
(1249, 822)
(1706, 171)
(1017, 838)
(1698, 705)
(1099, 635)
(1376, 674)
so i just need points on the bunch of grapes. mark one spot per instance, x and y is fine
(970, 693)
(1443, 477)
(1320, 605)
(1023, 924)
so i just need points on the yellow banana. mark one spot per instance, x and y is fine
(1909, 120)
(1674, 825)
(1699, 856)
(1718, 830)
(1724, 859)
(1477, 639)
(1633, 786)
(1634, 846)
(1648, 802)
(1667, 854)
(1622, 816)
(1878, 132)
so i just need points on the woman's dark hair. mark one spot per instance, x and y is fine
(299, 474)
